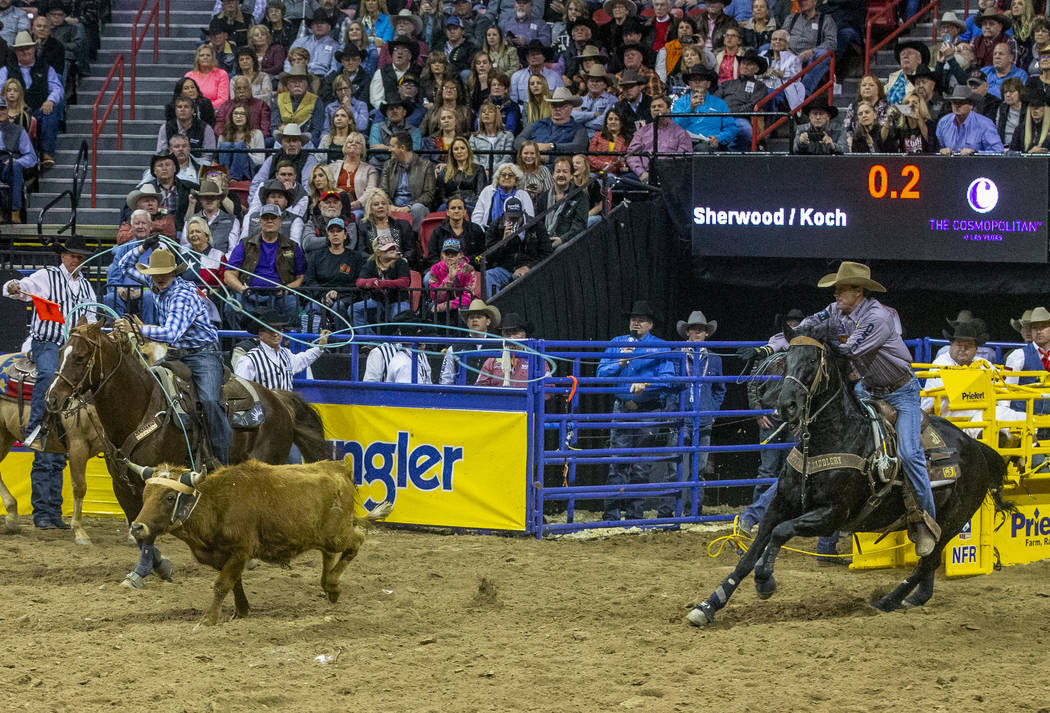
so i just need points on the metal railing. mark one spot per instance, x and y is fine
(888, 12)
(97, 125)
(137, 38)
(74, 193)
(828, 86)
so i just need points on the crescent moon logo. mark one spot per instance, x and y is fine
(982, 195)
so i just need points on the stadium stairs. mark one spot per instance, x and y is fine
(119, 171)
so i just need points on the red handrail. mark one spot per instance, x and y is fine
(828, 86)
(137, 41)
(97, 126)
(888, 12)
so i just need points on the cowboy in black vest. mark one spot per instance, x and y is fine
(43, 92)
(21, 158)
(200, 135)
(403, 53)
(267, 262)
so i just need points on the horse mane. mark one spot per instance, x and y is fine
(824, 333)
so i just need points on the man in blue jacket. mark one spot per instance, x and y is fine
(644, 358)
(709, 133)
(701, 396)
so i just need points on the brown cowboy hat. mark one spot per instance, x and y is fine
(477, 305)
(162, 262)
(1038, 316)
(562, 95)
(295, 72)
(208, 189)
(851, 273)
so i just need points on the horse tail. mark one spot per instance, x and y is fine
(997, 479)
(308, 433)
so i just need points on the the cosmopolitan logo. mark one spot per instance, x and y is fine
(982, 195)
(805, 217)
(973, 396)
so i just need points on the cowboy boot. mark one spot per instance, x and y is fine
(923, 530)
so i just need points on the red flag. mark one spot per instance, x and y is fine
(47, 310)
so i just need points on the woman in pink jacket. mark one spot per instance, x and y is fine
(214, 83)
(454, 273)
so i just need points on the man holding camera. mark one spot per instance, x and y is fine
(521, 249)
(819, 137)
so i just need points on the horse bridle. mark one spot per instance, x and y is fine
(77, 389)
(808, 416)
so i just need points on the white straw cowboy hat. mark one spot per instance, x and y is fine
(147, 190)
(477, 305)
(291, 130)
(162, 262)
(697, 318)
(851, 273)
(1024, 321)
(562, 95)
(1039, 314)
(23, 40)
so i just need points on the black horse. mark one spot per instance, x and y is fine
(816, 398)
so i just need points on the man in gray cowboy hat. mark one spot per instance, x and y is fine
(703, 396)
(65, 285)
(597, 102)
(183, 325)
(643, 358)
(319, 43)
(147, 198)
(966, 131)
(870, 340)
(479, 318)
(558, 132)
(298, 105)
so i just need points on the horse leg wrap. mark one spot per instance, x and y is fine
(145, 566)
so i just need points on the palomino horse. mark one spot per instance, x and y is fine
(136, 417)
(815, 397)
(84, 441)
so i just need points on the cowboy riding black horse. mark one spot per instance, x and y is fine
(846, 474)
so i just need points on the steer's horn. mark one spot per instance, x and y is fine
(198, 478)
(144, 472)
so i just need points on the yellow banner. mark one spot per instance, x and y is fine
(98, 501)
(968, 388)
(440, 467)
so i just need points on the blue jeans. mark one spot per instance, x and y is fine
(703, 438)
(285, 305)
(11, 174)
(240, 164)
(46, 479)
(140, 303)
(47, 126)
(45, 356)
(370, 311)
(847, 35)
(814, 77)
(909, 444)
(206, 367)
(771, 463)
(742, 142)
(647, 436)
(496, 278)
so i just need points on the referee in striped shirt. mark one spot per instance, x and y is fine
(183, 324)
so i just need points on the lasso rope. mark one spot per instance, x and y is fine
(741, 543)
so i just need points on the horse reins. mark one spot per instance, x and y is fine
(807, 416)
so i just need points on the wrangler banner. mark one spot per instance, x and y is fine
(439, 467)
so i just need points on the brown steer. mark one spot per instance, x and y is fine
(255, 511)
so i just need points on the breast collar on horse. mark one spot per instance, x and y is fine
(826, 461)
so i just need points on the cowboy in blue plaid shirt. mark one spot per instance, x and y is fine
(184, 325)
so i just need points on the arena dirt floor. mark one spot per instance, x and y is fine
(452, 623)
